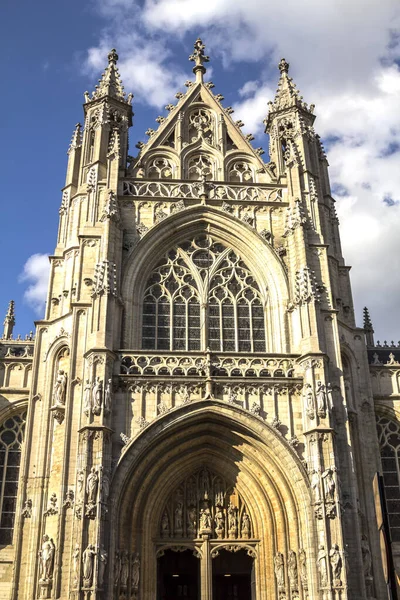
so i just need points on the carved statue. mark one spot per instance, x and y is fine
(165, 525)
(179, 517)
(308, 400)
(92, 485)
(88, 565)
(60, 389)
(191, 520)
(321, 399)
(124, 568)
(315, 487)
(75, 563)
(97, 396)
(108, 397)
(292, 569)
(103, 559)
(46, 559)
(232, 518)
(336, 563)
(79, 484)
(105, 487)
(87, 398)
(366, 557)
(322, 566)
(219, 521)
(245, 531)
(303, 567)
(135, 574)
(205, 519)
(27, 510)
(329, 485)
(279, 569)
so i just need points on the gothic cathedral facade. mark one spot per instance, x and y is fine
(198, 415)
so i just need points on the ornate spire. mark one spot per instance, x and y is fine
(368, 328)
(199, 58)
(287, 95)
(76, 141)
(110, 83)
(9, 321)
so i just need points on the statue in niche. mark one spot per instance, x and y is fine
(87, 398)
(165, 525)
(308, 400)
(204, 484)
(292, 569)
(320, 396)
(329, 485)
(103, 559)
(105, 487)
(135, 573)
(205, 519)
(60, 389)
(315, 487)
(27, 510)
(366, 557)
(124, 568)
(92, 486)
(232, 519)
(322, 566)
(75, 563)
(79, 484)
(303, 567)
(46, 559)
(279, 569)
(219, 522)
(336, 564)
(179, 517)
(191, 521)
(191, 493)
(108, 397)
(88, 565)
(245, 530)
(97, 396)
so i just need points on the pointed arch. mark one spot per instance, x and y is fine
(263, 263)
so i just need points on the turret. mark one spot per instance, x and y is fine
(9, 322)
(368, 328)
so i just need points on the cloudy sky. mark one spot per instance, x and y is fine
(344, 57)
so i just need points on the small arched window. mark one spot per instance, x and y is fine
(11, 438)
(160, 168)
(241, 172)
(389, 442)
(200, 167)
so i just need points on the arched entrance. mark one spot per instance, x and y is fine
(211, 483)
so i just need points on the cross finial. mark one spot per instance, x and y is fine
(199, 58)
(283, 66)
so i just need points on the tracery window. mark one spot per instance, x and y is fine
(201, 125)
(202, 294)
(200, 167)
(389, 442)
(241, 172)
(160, 168)
(11, 438)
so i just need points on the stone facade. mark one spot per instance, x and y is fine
(198, 383)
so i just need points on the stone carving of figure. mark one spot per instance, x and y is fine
(179, 517)
(103, 559)
(97, 396)
(336, 563)
(205, 519)
(87, 398)
(117, 568)
(308, 400)
(135, 575)
(108, 397)
(279, 569)
(79, 484)
(232, 518)
(245, 531)
(46, 559)
(88, 565)
(315, 487)
(165, 525)
(329, 485)
(366, 557)
(60, 388)
(292, 569)
(124, 568)
(321, 399)
(219, 521)
(303, 566)
(92, 485)
(27, 510)
(75, 562)
(376, 360)
(322, 566)
(191, 520)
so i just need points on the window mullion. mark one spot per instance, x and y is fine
(3, 483)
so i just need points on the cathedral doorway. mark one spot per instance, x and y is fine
(178, 576)
(233, 576)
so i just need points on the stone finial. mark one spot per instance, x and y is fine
(283, 66)
(368, 328)
(199, 58)
(76, 140)
(9, 321)
(112, 57)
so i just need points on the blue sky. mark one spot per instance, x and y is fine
(344, 57)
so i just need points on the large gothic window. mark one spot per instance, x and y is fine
(11, 438)
(202, 294)
(389, 441)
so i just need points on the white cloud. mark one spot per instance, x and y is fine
(36, 274)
